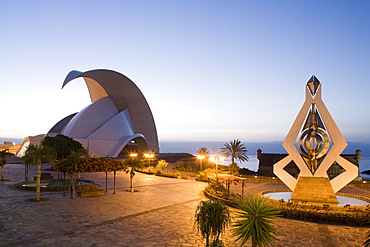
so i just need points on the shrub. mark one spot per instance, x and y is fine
(202, 175)
(162, 164)
(217, 189)
(255, 221)
(211, 219)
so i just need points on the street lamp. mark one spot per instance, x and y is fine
(201, 158)
(149, 156)
(217, 160)
(133, 155)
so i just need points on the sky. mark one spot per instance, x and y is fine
(210, 70)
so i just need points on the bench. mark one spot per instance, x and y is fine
(45, 177)
(90, 190)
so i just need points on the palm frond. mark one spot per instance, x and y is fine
(255, 221)
(367, 241)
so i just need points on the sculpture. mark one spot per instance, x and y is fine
(320, 144)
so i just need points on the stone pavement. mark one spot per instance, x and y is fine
(160, 214)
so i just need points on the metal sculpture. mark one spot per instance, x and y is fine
(320, 143)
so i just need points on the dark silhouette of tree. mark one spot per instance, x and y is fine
(3, 154)
(63, 145)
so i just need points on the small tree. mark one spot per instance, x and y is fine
(133, 163)
(230, 180)
(211, 219)
(38, 155)
(63, 145)
(256, 221)
(162, 164)
(3, 154)
(233, 169)
(114, 165)
(71, 166)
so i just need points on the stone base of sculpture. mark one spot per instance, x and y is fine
(314, 189)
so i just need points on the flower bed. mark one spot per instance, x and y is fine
(354, 216)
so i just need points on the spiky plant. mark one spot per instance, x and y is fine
(211, 219)
(367, 242)
(255, 221)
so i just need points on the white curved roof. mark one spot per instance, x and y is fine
(117, 115)
(91, 118)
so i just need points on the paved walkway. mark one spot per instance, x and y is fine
(160, 214)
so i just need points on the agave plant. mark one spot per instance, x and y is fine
(211, 219)
(255, 221)
(367, 242)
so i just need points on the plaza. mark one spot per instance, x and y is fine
(160, 214)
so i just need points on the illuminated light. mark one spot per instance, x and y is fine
(149, 155)
(217, 160)
(133, 155)
(255, 176)
(201, 157)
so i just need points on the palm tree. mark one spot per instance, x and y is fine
(70, 165)
(3, 154)
(367, 242)
(236, 150)
(38, 155)
(134, 163)
(256, 221)
(211, 219)
(202, 153)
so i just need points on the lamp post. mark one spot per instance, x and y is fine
(217, 160)
(132, 173)
(133, 155)
(149, 156)
(201, 158)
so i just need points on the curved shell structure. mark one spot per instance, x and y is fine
(118, 116)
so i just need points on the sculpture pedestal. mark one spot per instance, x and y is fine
(314, 189)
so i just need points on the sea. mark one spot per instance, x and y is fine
(252, 164)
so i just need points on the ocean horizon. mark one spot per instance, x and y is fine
(252, 164)
(252, 147)
(214, 146)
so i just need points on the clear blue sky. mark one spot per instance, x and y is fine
(210, 70)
